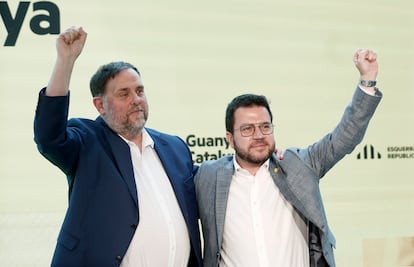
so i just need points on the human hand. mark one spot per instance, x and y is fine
(366, 62)
(279, 153)
(70, 43)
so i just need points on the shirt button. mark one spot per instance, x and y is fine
(118, 258)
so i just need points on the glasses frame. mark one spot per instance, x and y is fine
(255, 125)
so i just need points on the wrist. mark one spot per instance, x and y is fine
(367, 83)
(368, 76)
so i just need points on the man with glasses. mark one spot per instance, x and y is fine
(258, 210)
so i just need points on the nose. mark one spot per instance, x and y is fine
(257, 132)
(136, 99)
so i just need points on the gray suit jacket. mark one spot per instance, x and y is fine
(297, 177)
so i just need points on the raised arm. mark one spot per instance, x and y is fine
(349, 132)
(69, 45)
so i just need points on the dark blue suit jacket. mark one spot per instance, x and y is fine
(103, 209)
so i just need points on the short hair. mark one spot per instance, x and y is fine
(246, 100)
(104, 73)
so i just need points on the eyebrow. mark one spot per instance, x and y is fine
(127, 88)
(254, 124)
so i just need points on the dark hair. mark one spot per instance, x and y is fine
(246, 100)
(102, 75)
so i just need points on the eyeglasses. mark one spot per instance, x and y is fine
(247, 130)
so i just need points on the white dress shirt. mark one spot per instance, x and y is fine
(261, 227)
(161, 238)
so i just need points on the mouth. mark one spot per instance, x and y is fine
(259, 145)
(136, 110)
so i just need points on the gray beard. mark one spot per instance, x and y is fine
(130, 130)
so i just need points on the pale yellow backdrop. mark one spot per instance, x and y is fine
(195, 56)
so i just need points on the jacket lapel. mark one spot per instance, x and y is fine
(163, 149)
(298, 191)
(119, 151)
(224, 176)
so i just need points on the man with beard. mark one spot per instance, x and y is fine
(131, 190)
(258, 210)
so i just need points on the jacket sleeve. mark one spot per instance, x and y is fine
(56, 141)
(324, 154)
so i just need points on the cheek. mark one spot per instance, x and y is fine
(242, 144)
(107, 106)
(115, 109)
(115, 112)
(271, 139)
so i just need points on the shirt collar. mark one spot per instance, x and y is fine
(147, 141)
(237, 167)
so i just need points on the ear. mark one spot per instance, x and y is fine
(98, 103)
(229, 137)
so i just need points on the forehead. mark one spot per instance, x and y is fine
(251, 114)
(125, 79)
